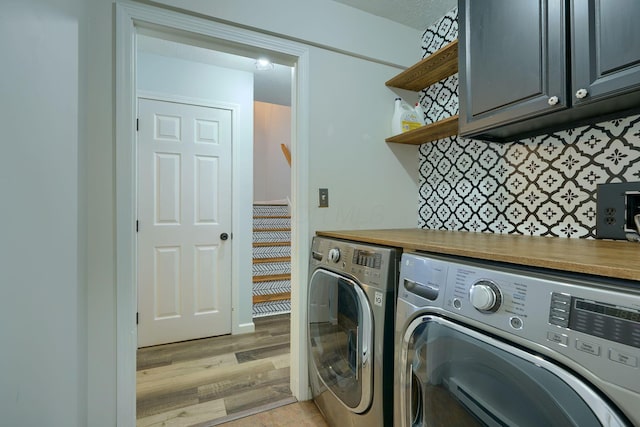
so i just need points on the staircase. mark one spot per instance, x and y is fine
(271, 260)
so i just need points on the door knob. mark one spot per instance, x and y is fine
(581, 93)
(553, 100)
(224, 236)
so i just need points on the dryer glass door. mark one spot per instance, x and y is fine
(455, 376)
(340, 336)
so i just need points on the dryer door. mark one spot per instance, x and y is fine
(455, 376)
(340, 338)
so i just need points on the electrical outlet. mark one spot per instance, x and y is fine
(616, 205)
(610, 216)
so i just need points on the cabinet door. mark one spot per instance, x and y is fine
(606, 48)
(512, 61)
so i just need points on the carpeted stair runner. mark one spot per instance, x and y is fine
(271, 260)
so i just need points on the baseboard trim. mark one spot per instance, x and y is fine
(245, 328)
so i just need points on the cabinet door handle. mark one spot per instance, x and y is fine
(553, 100)
(581, 93)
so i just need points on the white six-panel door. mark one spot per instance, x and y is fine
(184, 205)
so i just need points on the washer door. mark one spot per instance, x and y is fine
(454, 376)
(340, 338)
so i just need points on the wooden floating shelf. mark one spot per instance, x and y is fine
(431, 132)
(435, 67)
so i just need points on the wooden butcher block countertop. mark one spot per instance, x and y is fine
(609, 258)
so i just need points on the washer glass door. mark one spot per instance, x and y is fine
(340, 337)
(456, 376)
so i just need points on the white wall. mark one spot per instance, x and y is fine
(43, 374)
(322, 23)
(164, 75)
(271, 172)
(349, 115)
(173, 76)
(370, 182)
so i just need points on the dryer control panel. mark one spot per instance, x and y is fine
(599, 319)
(593, 322)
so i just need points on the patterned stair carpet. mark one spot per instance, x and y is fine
(271, 260)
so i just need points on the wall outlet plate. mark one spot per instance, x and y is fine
(616, 205)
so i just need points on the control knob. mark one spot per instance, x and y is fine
(485, 296)
(334, 255)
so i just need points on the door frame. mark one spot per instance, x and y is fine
(128, 16)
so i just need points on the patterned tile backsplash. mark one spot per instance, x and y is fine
(542, 186)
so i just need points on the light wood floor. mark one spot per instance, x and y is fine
(299, 414)
(197, 382)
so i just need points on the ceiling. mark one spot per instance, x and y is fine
(418, 14)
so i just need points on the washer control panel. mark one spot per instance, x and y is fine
(373, 265)
(594, 322)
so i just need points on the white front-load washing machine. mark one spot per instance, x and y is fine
(488, 344)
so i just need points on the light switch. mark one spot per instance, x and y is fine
(323, 197)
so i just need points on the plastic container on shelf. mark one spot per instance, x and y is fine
(420, 113)
(405, 118)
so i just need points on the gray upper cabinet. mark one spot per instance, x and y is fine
(532, 66)
(606, 48)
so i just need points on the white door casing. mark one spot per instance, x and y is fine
(128, 15)
(184, 206)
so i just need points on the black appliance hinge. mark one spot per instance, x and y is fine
(137, 125)
(137, 225)
(137, 317)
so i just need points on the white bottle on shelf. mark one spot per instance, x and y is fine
(396, 121)
(420, 113)
(404, 118)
